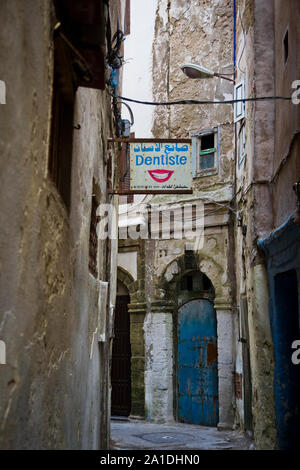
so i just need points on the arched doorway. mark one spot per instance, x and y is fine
(197, 366)
(121, 356)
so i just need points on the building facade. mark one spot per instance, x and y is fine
(246, 267)
(198, 328)
(267, 227)
(164, 278)
(58, 282)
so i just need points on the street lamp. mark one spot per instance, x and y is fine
(197, 71)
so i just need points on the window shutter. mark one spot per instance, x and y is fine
(239, 94)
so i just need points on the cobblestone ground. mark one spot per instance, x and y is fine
(133, 435)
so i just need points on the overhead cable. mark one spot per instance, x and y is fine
(202, 102)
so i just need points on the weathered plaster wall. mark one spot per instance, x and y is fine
(286, 166)
(244, 70)
(166, 263)
(179, 29)
(159, 367)
(255, 30)
(53, 386)
(200, 32)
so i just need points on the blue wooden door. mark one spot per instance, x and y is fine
(197, 372)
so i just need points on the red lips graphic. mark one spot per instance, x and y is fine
(157, 175)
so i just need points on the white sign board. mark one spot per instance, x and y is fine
(161, 166)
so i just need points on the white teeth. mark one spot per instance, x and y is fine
(160, 177)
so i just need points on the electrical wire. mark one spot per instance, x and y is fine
(179, 218)
(160, 207)
(202, 102)
(114, 60)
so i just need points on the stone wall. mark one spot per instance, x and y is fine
(135, 263)
(271, 144)
(198, 32)
(55, 385)
(286, 166)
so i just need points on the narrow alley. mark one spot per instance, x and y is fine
(149, 225)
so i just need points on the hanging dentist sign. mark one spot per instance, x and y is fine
(161, 165)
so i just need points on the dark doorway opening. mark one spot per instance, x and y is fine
(121, 357)
(286, 374)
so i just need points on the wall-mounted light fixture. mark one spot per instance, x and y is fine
(199, 72)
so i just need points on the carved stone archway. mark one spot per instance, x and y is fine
(163, 310)
(137, 311)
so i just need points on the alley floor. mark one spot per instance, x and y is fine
(129, 434)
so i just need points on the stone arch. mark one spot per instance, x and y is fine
(137, 311)
(127, 279)
(166, 302)
(194, 285)
(180, 266)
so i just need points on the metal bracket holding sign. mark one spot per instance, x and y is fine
(159, 166)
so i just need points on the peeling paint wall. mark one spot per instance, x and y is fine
(158, 329)
(266, 175)
(255, 62)
(199, 32)
(55, 387)
(286, 166)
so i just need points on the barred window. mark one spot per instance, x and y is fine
(60, 158)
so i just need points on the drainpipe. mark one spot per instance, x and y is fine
(234, 37)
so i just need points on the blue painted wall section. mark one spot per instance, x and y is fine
(282, 249)
(197, 363)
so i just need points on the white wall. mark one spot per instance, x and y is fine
(137, 71)
(128, 261)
